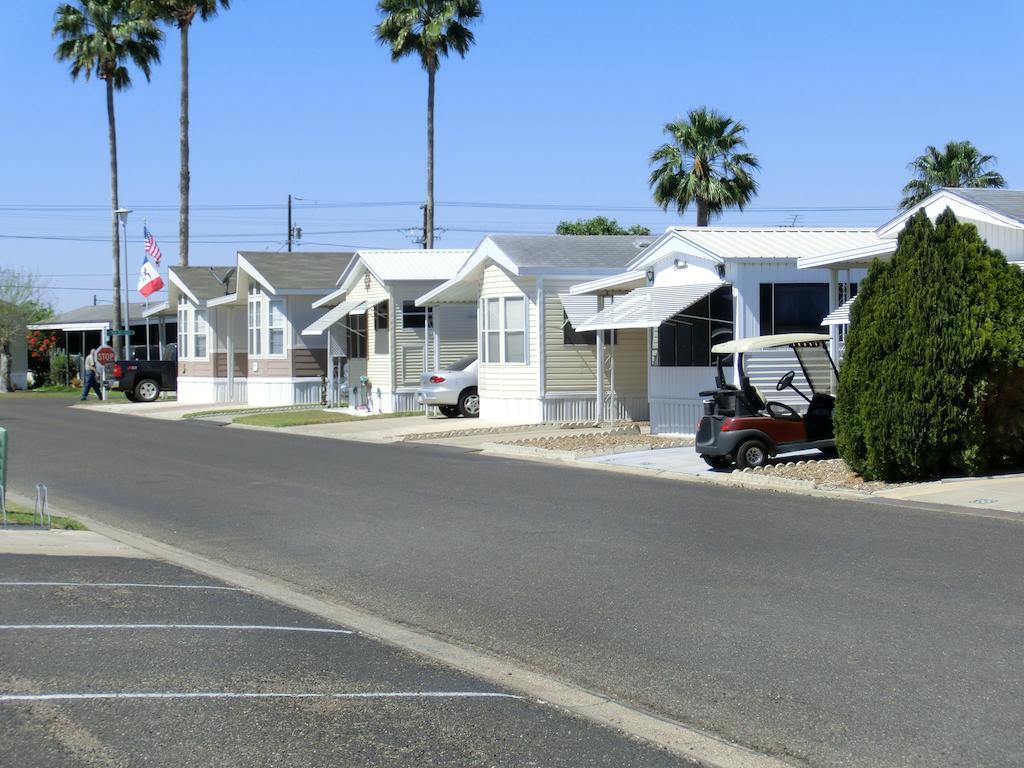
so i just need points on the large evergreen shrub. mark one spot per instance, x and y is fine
(932, 382)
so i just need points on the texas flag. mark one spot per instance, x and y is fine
(149, 279)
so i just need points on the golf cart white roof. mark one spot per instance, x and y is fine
(757, 343)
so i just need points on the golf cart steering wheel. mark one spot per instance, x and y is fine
(784, 411)
(786, 381)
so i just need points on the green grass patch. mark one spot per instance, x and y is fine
(20, 516)
(281, 419)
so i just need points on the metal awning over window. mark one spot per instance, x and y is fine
(649, 307)
(840, 315)
(337, 313)
(578, 309)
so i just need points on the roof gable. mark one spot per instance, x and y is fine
(294, 272)
(1001, 207)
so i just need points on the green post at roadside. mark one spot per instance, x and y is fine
(3, 458)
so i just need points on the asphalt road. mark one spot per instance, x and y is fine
(833, 633)
(269, 694)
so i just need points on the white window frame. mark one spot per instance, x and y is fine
(503, 331)
(184, 325)
(258, 320)
(282, 328)
(253, 321)
(199, 321)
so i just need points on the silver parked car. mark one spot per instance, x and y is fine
(452, 389)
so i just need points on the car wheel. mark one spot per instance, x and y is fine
(753, 453)
(147, 391)
(451, 411)
(131, 396)
(717, 462)
(469, 403)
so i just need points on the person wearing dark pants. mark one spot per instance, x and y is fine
(91, 376)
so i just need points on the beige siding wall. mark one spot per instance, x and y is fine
(378, 362)
(309, 362)
(270, 367)
(512, 379)
(408, 341)
(196, 367)
(572, 368)
(456, 331)
(567, 368)
(630, 354)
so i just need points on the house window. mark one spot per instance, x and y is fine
(380, 316)
(255, 324)
(503, 330)
(275, 327)
(573, 338)
(200, 331)
(686, 339)
(793, 307)
(416, 317)
(356, 331)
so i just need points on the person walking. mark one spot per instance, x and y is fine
(92, 373)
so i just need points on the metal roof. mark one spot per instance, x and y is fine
(757, 343)
(578, 309)
(412, 264)
(298, 271)
(204, 284)
(649, 307)
(1005, 202)
(330, 318)
(620, 283)
(754, 243)
(840, 315)
(853, 258)
(98, 314)
(571, 251)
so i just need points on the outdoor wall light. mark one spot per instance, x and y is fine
(650, 275)
(679, 265)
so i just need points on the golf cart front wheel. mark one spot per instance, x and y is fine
(753, 453)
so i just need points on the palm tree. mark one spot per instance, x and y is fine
(430, 29)
(182, 13)
(960, 164)
(701, 164)
(100, 37)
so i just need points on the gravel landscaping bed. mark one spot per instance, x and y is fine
(824, 473)
(595, 443)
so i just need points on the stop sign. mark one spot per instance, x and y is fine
(105, 356)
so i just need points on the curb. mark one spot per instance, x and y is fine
(693, 745)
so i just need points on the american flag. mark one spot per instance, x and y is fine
(151, 247)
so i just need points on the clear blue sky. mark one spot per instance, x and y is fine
(559, 104)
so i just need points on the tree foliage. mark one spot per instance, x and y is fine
(21, 303)
(932, 377)
(704, 164)
(598, 225)
(959, 164)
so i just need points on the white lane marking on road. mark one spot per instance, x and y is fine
(21, 697)
(240, 627)
(115, 584)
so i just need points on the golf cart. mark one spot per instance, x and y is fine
(740, 426)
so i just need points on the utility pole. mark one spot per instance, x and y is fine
(289, 223)
(425, 238)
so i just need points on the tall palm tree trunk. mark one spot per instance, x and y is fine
(184, 179)
(703, 213)
(428, 236)
(115, 235)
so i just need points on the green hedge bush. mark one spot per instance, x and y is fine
(932, 382)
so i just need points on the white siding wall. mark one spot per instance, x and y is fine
(456, 332)
(510, 391)
(1009, 241)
